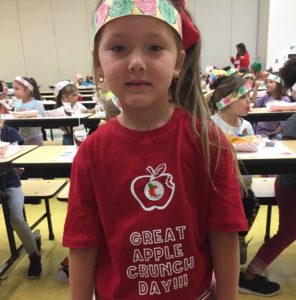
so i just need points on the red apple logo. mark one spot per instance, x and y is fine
(154, 191)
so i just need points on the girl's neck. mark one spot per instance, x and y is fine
(230, 118)
(26, 100)
(146, 119)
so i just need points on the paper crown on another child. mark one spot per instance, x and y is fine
(256, 66)
(249, 75)
(294, 87)
(275, 78)
(163, 10)
(59, 86)
(24, 82)
(233, 96)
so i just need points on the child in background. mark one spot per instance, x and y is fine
(252, 281)
(15, 203)
(66, 92)
(231, 100)
(78, 80)
(154, 202)
(88, 81)
(27, 90)
(275, 90)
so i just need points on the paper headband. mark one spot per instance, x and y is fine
(59, 86)
(217, 73)
(275, 78)
(24, 82)
(249, 75)
(294, 87)
(233, 97)
(160, 9)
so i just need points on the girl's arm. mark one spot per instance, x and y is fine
(82, 269)
(255, 91)
(224, 249)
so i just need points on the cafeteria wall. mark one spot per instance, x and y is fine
(50, 40)
(224, 24)
(281, 39)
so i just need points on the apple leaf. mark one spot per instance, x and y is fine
(159, 170)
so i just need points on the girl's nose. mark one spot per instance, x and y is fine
(137, 63)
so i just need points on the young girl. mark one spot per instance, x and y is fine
(274, 91)
(154, 202)
(66, 92)
(252, 281)
(230, 101)
(16, 203)
(27, 90)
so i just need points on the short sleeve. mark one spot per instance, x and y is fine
(226, 210)
(82, 226)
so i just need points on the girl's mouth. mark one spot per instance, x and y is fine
(138, 83)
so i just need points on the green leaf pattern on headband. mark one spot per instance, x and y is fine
(167, 11)
(121, 8)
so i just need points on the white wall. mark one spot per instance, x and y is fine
(49, 40)
(282, 31)
(224, 24)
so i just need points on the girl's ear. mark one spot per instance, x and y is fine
(180, 60)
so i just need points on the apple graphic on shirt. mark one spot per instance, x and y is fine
(153, 191)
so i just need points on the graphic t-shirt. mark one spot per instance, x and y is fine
(146, 200)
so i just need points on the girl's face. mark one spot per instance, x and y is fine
(21, 91)
(139, 58)
(271, 86)
(240, 107)
(71, 98)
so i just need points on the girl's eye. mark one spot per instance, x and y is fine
(118, 48)
(155, 48)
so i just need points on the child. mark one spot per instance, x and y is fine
(27, 90)
(231, 100)
(15, 203)
(242, 59)
(274, 91)
(66, 92)
(252, 282)
(78, 80)
(154, 202)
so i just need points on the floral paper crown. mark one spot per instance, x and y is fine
(160, 9)
(233, 96)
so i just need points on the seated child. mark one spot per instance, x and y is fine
(67, 93)
(274, 91)
(15, 203)
(27, 90)
(229, 101)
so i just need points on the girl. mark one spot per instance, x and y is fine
(16, 203)
(274, 91)
(27, 90)
(252, 282)
(67, 93)
(154, 202)
(242, 59)
(231, 100)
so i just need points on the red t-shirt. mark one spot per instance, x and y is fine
(241, 61)
(146, 200)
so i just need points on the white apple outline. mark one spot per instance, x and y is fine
(159, 171)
